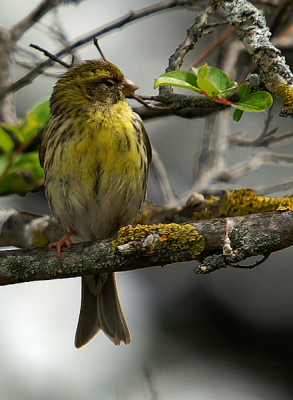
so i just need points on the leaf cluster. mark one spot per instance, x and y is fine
(20, 170)
(215, 84)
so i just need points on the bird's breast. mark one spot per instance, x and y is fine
(100, 173)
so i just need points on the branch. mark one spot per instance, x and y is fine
(7, 106)
(235, 172)
(194, 33)
(43, 8)
(250, 235)
(255, 35)
(263, 141)
(118, 23)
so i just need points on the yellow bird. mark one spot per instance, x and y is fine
(95, 153)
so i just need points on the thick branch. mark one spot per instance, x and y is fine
(250, 235)
(255, 35)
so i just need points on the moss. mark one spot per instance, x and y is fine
(170, 242)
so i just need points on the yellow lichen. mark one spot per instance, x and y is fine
(141, 218)
(198, 215)
(246, 201)
(286, 93)
(172, 242)
(285, 208)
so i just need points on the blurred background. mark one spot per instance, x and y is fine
(228, 335)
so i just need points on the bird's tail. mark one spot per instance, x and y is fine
(101, 309)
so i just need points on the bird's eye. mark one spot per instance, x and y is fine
(109, 82)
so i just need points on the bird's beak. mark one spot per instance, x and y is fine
(128, 87)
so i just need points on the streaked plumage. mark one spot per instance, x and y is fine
(95, 153)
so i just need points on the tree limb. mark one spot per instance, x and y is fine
(255, 35)
(250, 235)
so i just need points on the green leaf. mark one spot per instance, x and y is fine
(243, 90)
(29, 161)
(255, 102)
(24, 174)
(4, 162)
(30, 127)
(208, 88)
(237, 115)
(232, 85)
(42, 110)
(14, 130)
(6, 143)
(177, 78)
(34, 121)
(218, 78)
(195, 71)
(213, 81)
(203, 71)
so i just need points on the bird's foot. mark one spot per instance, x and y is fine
(65, 240)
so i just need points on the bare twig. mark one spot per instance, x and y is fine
(280, 187)
(96, 43)
(194, 33)
(239, 170)
(170, 198)
(50, 55)
(234, 172)
(263, 141)
(276, 20)
(207, 51)
(204, 159)
(43, 8)
(147, 104)
(7, 106)
(132, 16)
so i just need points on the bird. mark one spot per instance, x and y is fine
(96, 154)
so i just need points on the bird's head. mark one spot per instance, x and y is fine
(92, 83)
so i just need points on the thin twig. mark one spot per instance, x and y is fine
(280, 187)
(194, 33)
(96, 43)
(132, 16)
(250, 266)
(211, 47)
(203, 163)
(27, 65)
(170, 199)
(261, 142)
(50, 55)
(147, 104)
(27, 22)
